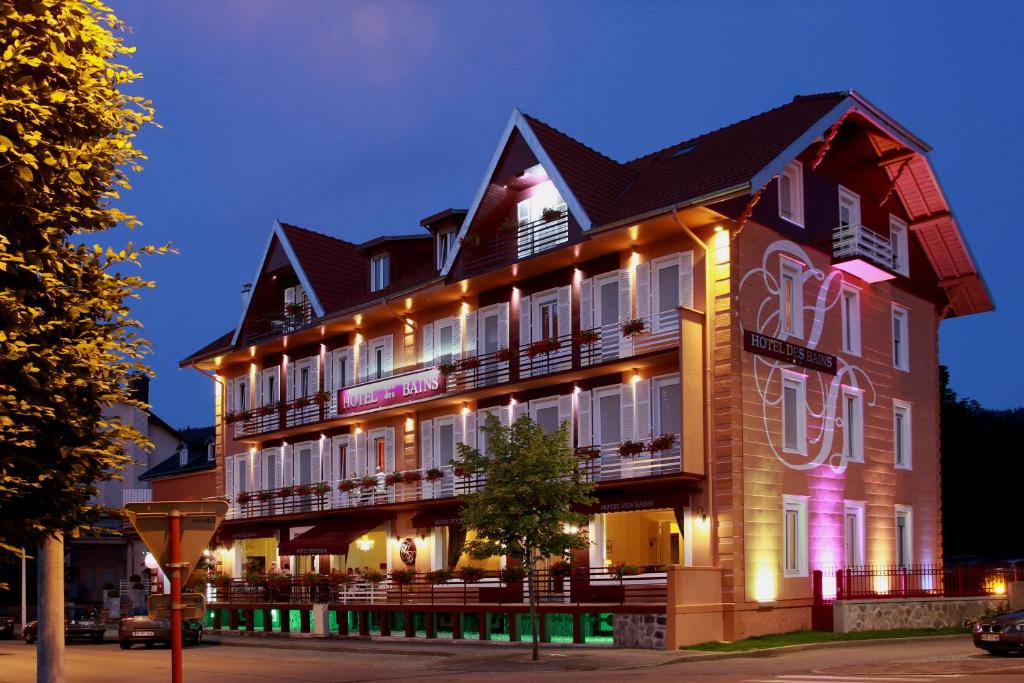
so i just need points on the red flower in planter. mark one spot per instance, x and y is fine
(662, 443)
(393, 479)
(411, 477)
(632, 328)
(285, 492)
(631, 449)
(346, 486)
(243, 498)
(503, 355)
(302, 490)
(588, 337)
(470, 363)
(434, 474)
(368, 482)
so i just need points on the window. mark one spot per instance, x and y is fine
(545, 413)
(211, 452)
(380, 451)
(666, 293)
(791, 193)
(182, 455)
(241, 474)
(904, 536)
(853, 424)
(490, 339)
(898, 238)
(379, 358)
(853, 533)
(791, 299)
(607, 308)
(380, 272)
(242, 395)
(794, 412)
(444, 445)
(547, 319)
(900, 338)
(794, 535)
(901, 439)
(849, 207)
(667, 405)
(443, 344)
(607, 422)
(304, 382)
(851, 319)
(445, 242)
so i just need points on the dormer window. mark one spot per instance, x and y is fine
(380, 272)
(445, 242)
(211, 452)
(791, 193)
(183, 455)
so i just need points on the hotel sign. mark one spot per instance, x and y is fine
(414, 386)
(763, 345)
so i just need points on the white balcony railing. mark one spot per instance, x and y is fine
(136, 496)
(856, 241)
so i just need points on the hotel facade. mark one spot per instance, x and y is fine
(741, 331)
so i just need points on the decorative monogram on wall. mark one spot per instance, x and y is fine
(407, 551)
(824, 418)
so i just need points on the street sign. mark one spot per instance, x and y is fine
(199, 520)
(193, 606)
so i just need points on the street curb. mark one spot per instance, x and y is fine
(318, 645)
(697, 655)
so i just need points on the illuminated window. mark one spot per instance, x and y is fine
(548, 319)
(898, 238)
(849, 208)
(853, 425)
(901, 439)
(850, 303)
(791, 304)
(791, 193)
(853, 533)
(444, 444)
(380, 272)
(904, 536)
(794, 535)
(794, 412)
(900, 338)
(380, 449)
(607, 422)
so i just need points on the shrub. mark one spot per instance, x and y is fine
(439, 576)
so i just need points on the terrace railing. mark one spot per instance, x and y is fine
(878, 582)
(856, 241)
(509, 245)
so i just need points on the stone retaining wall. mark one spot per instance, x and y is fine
(640, 630)
(872, 615)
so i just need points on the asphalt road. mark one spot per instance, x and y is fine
(350, 661)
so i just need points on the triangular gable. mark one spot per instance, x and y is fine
(519, 123)
(931, 217)
(278, 233)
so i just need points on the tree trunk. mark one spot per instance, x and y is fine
(50, 633)
(534, 621)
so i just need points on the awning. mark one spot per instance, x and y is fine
(628, 499)
(448, 515)
(329, 538)
(228, 533)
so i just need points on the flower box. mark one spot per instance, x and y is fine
(434, 474)
(588, 453)
(285, 492)
(346, 486)
(321, 489)
(439, 576)
(265, 496)
(469, 573)
(373, 576)
(551, 214)
(302, 402)
(393, 479)
(662, 443)
(243, 498)
(403, 577)
(411, 477)
(470, 363)
(368, 482)
(339, 578)
(621, 569)
(589, 337)
(322, 398)
(631, 449)
(634, 327)
(447, 368)
(543, 346)
(302, 490)
(503, 355)
(267, 410)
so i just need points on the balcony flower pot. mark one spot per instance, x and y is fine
(368, 482)
(266, 411)
(402, 577)
(321, 489)
(662, 443)
(550, 214)
(347, 485)
(513, 574)
(631, 449)
(301, 491)
(469, 573)
(634, 327)
(620, 569)
(543, 346)
(339, 578)
(509, 226)
(447, 369)
(470, 363)
(373, 576)
(243, 498)
(322, 398)
(411, 477)
(439, 576)
(285, 492)
(503, 355)
(588, 337)
(393, 479)
(434, 474)
(302, 402)
(254, 579)
(560, 569)
(588, 453)
(264, 496)
(459, 471)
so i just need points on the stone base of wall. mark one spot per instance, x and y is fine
(875, 615)
(639, 630)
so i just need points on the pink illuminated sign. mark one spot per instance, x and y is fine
(414, 386)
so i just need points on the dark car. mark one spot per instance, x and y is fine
(6, 627)
(79, 623)
(140, 628)
(1001, 634)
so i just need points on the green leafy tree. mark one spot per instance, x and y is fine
(68, 342)
(526, 510)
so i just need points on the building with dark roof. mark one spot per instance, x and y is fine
(740, 329)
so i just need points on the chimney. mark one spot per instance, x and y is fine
(138, 387)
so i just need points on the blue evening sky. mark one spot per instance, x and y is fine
(358, 119)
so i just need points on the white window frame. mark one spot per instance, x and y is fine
(539, 404)
(597, 436)
(211, 452)
(438, 326)
(853, 444)
(380, 280)
(901, 354)
(797, 504)
(851, 199)
(799, 382)
(657, 265)
(446, 421)
(907, 513)
(905, 437)
(600, 282)
(544, 298)
(663, 380)
(898, 237)
(856, 509)
(483, 314)
(445, 242)
(794, 171)
(342, 360)
(849, 304)
(183, 455)
(375, 344)
(794, 270)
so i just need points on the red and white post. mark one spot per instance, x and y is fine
(175, 566)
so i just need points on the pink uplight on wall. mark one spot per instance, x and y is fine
(868, 272)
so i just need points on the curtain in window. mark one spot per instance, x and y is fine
(456, 542)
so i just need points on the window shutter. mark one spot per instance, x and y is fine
(523, 211)
(350, 369)
(458, 433)
(360, 455)
(331, 360)
(314, 369)
(626, 400)
(389, 357)
(520, 409)
(364, 357)
(426, 444)
(643, 291)
(643, 409)
(289, 296)
(229, 478)
(564, 311)
(389, 449)
(326, 460)
(457, 337)
(584, 428)
(286, 465)
(296, 463)
(471, 333)
(257, 472)
(625, 301)
(428, 344)
(470, 432)
(565, 414)
(686, 279)
(505, 416)
(587, 304)
(292, 379)
(229, 398)
(525, 330)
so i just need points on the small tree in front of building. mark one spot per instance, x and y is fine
(526, 509)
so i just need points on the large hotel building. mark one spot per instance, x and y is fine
(740, 329)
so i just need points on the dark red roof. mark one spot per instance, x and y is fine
(221, 343)
(335, 268)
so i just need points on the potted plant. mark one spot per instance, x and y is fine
(634, 327)
(470, 363)
(403, 577)
(302, 402)
(458, 470)
(434, 474)
(393, 479)
(551, 214)
(373, 576)
(368, 482)
(243, 498)
(322, 397)
(265, 496)
(503, 355)
(509, 226)
(339, 578)
(267, 410)
(346, 486)
(254, 579)
(302, 490)
(221, 580)
(469, 573)
(285, 492)
(662, 443)
(447, 369)
(321, 489)
(439, 576)
(411, 477)
(589, 337)
(588, 452)
(542, 346)
(630, 449)
(513, 574)
(620, 569)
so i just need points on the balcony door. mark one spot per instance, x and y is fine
(535, 233)
(607, 427)
(668, 415)
(304, 471)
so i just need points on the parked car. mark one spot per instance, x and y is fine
(1000, 634)
(140, 628)
(6, 627)
(79, 623)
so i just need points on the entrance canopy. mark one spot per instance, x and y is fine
(329, 538)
